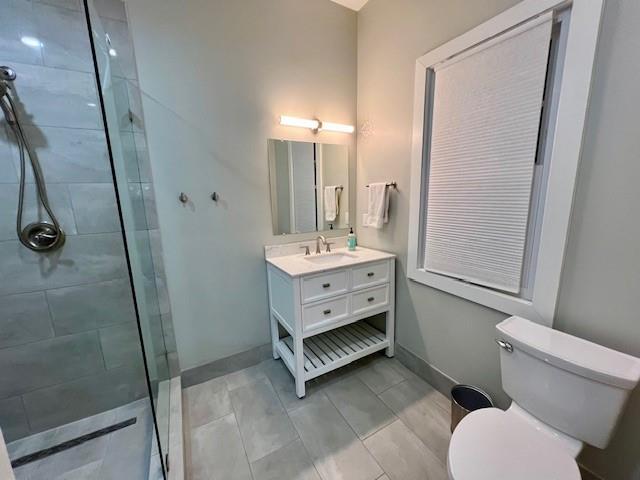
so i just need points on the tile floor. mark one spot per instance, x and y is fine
(123, 454)
(371, 420)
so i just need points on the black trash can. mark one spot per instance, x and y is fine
(464, 400)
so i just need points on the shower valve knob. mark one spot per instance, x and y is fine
(183, 197)
(215, 197)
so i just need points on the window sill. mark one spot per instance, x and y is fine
(481, 295)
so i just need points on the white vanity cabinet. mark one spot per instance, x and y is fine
(321, 306)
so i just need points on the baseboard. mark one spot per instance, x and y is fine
(223, 366)
(430, 374)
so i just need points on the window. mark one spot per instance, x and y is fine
(498, 120)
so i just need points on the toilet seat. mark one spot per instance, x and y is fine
(489, 444)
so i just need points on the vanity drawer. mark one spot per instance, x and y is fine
(371, 274)
(370, 299)
(329, 311)
(323, 286)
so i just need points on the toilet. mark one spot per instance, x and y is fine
(565, 392)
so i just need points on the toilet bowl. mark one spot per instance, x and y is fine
(491, 444)
(565, 391)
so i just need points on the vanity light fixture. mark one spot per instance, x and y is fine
(315, 125)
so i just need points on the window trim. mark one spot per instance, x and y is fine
(565, 154)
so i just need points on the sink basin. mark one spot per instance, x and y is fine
(330, 258)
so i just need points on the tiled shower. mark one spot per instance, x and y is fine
(70, 346)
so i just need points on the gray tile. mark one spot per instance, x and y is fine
(87, 307)
(360, 407)
(55, 97)
(8, 172)
(155, 245)
(95, 208)
(33, 210)
(25, 318)
(291, 462)
(155, 468)
(120, 345)
(72, 4)
(168, 332)
(419, 406)
(163, 294)
(381, 374)
(227, 460)
(64, 37)
(144, 161)
(207, 402)
(155, 337)
(84, 397)
(72, 463)
(89, 424)
(83, 259)
(113, 9)
(16, 23)
(150, 206)
(244, 377)
(403, 456)
(125, 118)
(86, 472)
(13, 420)
(129, 449)
(136, 200)
(32, 443)
(264, 424)
(123, 64)
(49, 362)
(69, 155)
(336, 451)
(285, 385)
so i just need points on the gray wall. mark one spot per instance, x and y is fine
(601, 278)
(69, 345)
(215, 76)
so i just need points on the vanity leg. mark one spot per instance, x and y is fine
(275, 336)
(391, 336)
(299, 361)
(391, 313)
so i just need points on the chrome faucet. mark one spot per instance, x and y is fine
(321, 240)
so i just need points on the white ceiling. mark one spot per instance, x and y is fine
(352, 4)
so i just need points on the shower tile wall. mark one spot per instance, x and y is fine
(69, 344)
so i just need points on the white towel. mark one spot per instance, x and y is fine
(378, 213)
(331, 203)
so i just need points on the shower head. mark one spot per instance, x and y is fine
(7, 74)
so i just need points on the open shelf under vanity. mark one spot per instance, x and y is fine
(333, 349)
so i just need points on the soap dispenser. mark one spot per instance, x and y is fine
(351, 240)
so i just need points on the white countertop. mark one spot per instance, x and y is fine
(297, 265)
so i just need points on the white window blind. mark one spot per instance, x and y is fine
(486, 111)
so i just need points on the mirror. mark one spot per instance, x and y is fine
(309, 186)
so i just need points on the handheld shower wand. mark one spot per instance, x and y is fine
(37, 236)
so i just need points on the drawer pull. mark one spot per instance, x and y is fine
(370, 299)
(327, 312)
(326, 285)
(370, 274)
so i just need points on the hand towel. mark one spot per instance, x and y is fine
(331, 203)
(378, 211)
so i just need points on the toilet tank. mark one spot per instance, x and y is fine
(573, 385)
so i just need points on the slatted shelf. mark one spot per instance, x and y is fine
(333, 349)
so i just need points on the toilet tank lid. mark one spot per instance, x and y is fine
(571, 353)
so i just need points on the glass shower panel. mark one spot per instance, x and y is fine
(74, 394)
(125, 127)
